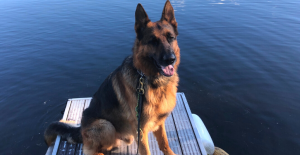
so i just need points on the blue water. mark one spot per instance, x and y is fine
(240, 68)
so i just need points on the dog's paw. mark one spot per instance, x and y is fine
(128, 140)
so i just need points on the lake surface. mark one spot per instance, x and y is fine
(240, 66)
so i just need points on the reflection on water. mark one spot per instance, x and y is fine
(239, 66)
(178, 5)
(234, 2)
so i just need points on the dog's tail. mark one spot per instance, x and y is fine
(70, 133)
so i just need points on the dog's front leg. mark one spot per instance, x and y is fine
(144, 145)
(161, 137)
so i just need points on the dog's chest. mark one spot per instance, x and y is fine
(157, 108)
(160, 101)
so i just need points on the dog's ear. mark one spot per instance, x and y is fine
(141, 20)
(169, 16)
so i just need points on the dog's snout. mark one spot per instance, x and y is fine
(170, 58)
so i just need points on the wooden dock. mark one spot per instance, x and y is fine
(181, 131)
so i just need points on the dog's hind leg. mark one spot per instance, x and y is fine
(99, 137)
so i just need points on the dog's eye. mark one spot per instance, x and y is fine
(170, 39)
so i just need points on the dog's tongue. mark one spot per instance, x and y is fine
(168, 70)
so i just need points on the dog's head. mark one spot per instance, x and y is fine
(156, 52)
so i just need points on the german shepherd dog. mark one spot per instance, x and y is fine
(111, 116)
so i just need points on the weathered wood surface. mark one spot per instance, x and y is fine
(182, 134)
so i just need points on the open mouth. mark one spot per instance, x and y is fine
(165, 70)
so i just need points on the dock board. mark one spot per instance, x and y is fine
(181, 131)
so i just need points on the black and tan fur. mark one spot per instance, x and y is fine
(111, 116)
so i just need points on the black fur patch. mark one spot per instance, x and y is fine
(64, 130)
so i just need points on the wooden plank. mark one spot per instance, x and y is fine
(80, 110)
(82, 98)
(132, 148)
(49, 150)
(56, 144)
(78, 150)
(87, 103)
(123, 149)
(72, 110)
(189, 112)
(66, 112)
(62, 149)
(77, 108)
(172, 135)
(154, 148)
(71, 149)
(75, 112)
(184, 129)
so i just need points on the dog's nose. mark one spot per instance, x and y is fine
(170, 58)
